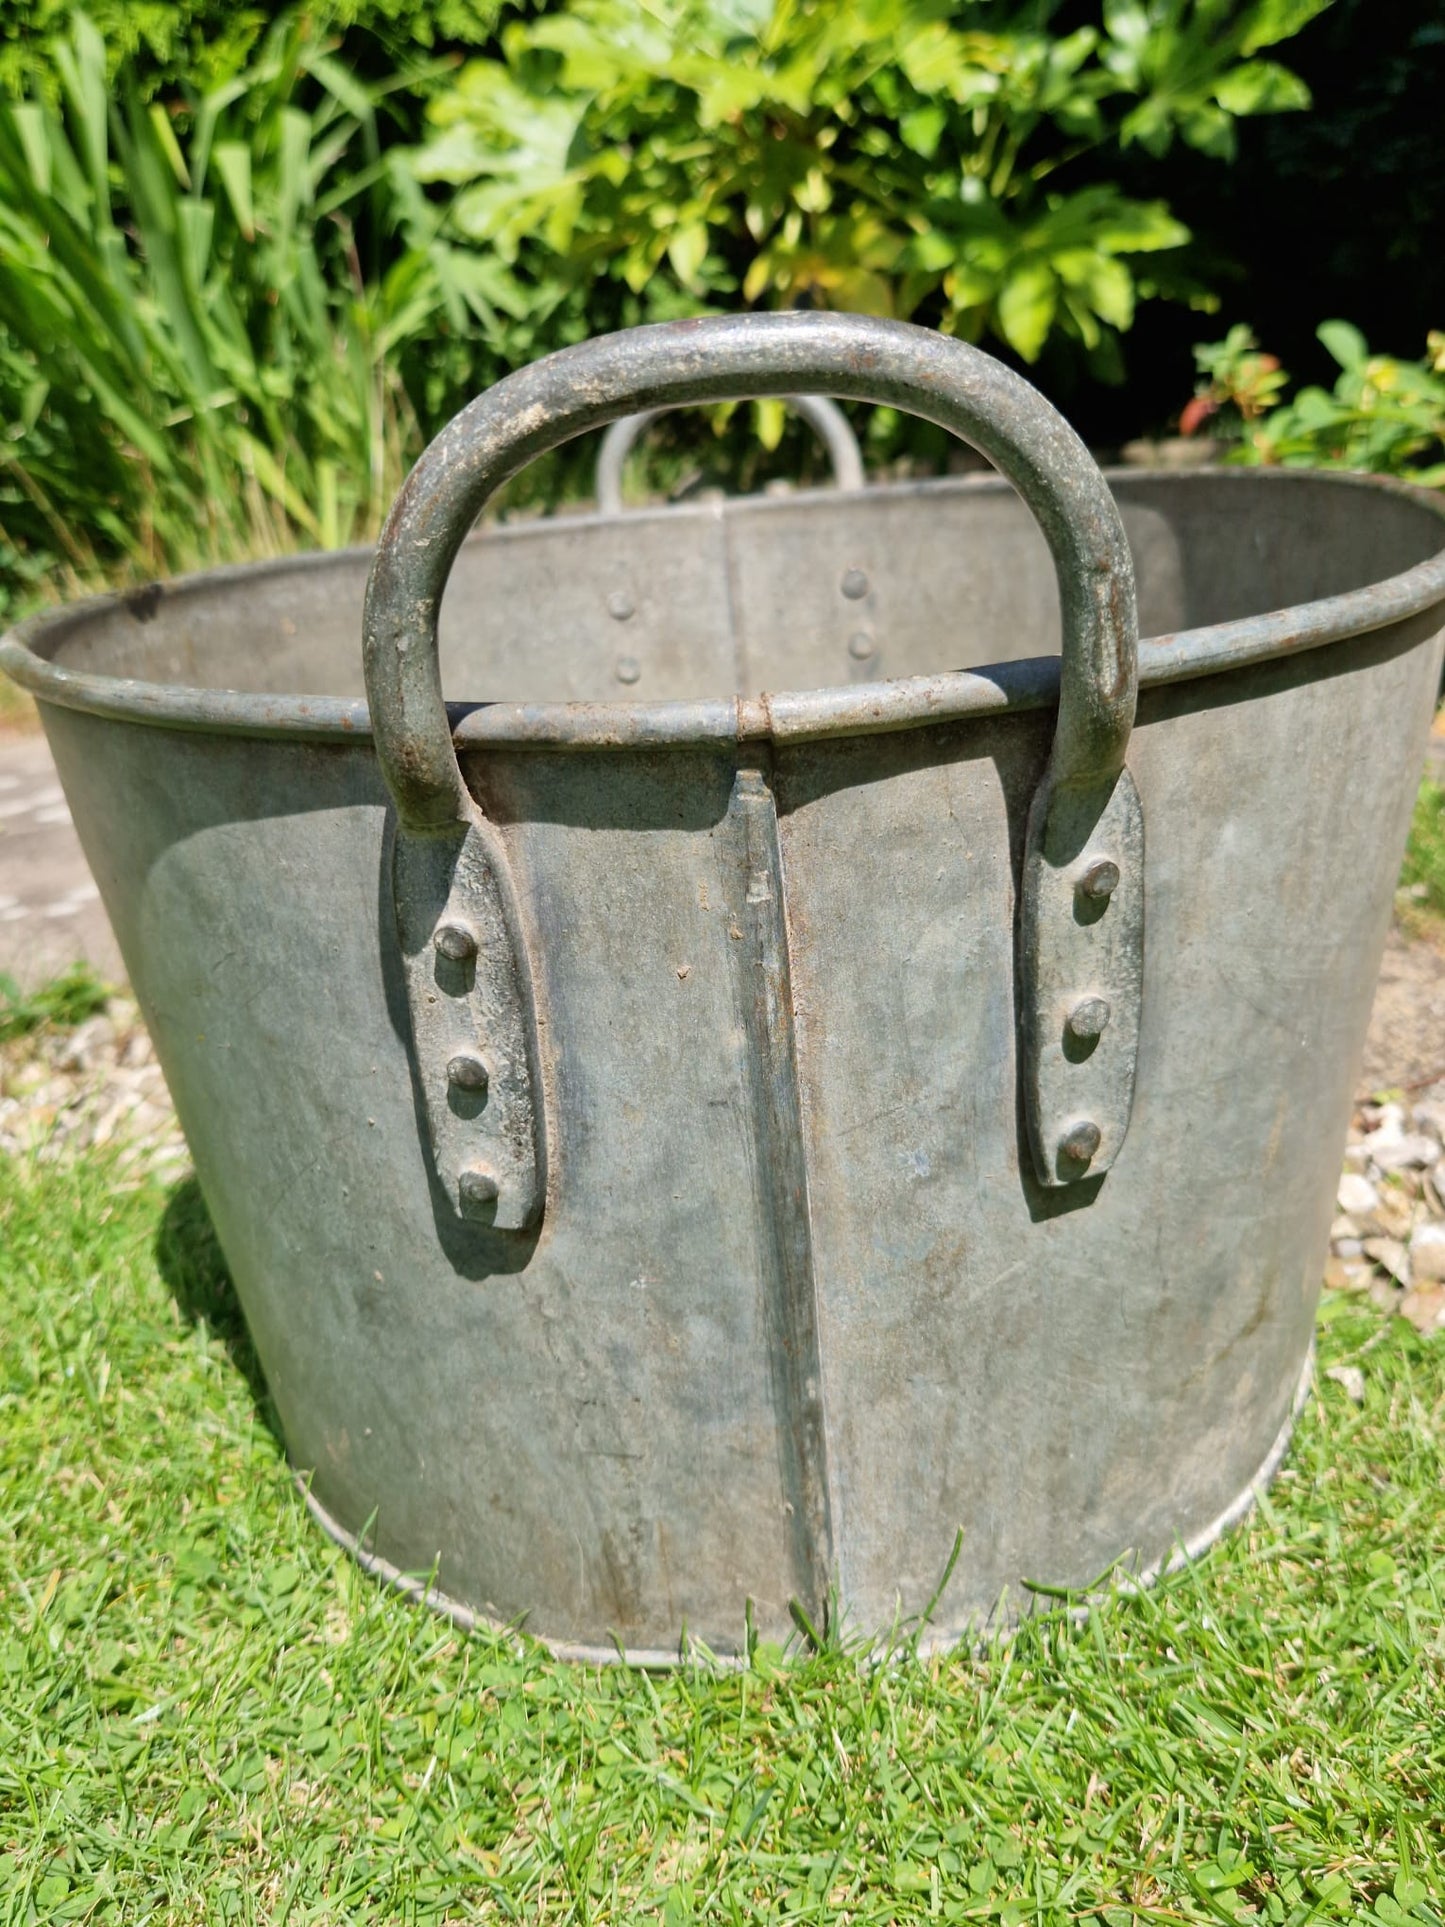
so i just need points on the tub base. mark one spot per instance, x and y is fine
(469, 1620)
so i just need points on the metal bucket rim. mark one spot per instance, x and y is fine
(789, 716)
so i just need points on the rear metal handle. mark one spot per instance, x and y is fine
(1074, 947)
(825, 417)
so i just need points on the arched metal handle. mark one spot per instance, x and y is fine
(738, 357)
(1077, 944)
(823, 416)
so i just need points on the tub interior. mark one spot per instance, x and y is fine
(764, 594)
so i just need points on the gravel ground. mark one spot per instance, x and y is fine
(1406, 1046)
(1388, 1237)
(66, 1092)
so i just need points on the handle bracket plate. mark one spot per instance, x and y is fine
(469, 987)
(1081, 966)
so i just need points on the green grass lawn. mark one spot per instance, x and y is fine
(207, 1714)
(1423, 876)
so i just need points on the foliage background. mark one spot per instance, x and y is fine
(1332, 212)
(252, 258)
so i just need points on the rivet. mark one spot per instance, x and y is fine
(854, 584)
(860, 645)
(1088, 1019)
(467, 1071)
(1101, 879)
(455, 939)
(1081, 1141)
(628, 669)
(619, 605)
(478, 1187)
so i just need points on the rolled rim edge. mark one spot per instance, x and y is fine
(907, 702)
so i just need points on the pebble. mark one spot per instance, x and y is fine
(1424, 1306)
(1395, 1213)
(1351, 1381)
(1390, 1255)
(1397, 1151)
(1427, 1254)
(1357, 1197)
(1388, 1234)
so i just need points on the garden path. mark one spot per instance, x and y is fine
(50, 909)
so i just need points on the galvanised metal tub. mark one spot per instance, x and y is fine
(677, 1145)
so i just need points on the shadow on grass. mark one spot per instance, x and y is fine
(190, 1261)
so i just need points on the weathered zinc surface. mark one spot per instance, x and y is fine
(680, 1145)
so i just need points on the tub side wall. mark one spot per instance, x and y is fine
(1073, 1377)
(595, 1426)
(580, 1427)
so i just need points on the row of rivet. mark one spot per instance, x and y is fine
(1088, 1019)
(467, 1070)
(854, 585)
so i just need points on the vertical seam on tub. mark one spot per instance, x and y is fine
(791, 1298)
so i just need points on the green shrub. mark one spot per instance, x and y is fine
(905, 157)
(197, 357)
(202, 43)
(1383, 415)
(233, 307)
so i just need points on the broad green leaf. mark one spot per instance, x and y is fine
(969, 287)
(1261, 87)
(1126, 22)
(1408, 1890)
(1344, 342)
(922, 130)
(758, 275)
(938, 61)
(1026, 308)
(1276, 20)
(726, 91)
(813, 193)
(1210, 130)
(770, 416)
(687, 250)
(1106, 282)
(932, 251)
(860, 291)
(1317, 409)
